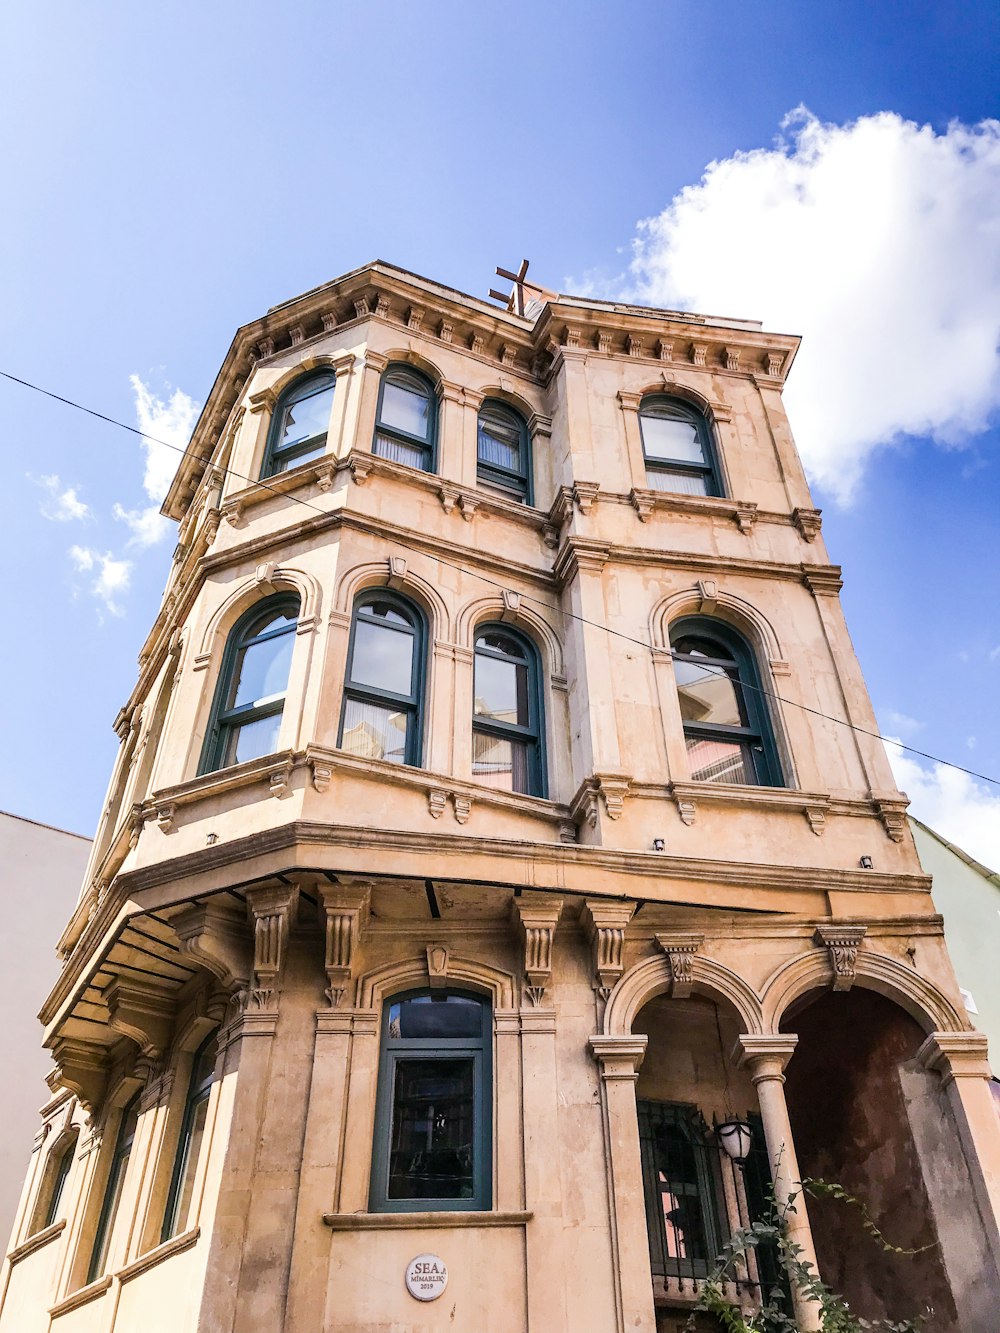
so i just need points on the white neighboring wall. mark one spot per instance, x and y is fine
(40, 873)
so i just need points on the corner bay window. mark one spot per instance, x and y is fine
(250, 695)
(726, 727)
(406, 420)
(300, 424)
(507, 719)
(385, 667)
(677, 446)
(433, 1115)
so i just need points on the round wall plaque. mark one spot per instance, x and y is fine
(426, 1277)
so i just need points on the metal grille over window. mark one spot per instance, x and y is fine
(406, 419)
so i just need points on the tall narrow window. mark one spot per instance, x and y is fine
(113, 1189)
(432, 1140)
(677, 446)
(250, 695)
(384, 687)
(406, 423)
(507, 713)
(681, 1189)
(725, 720)
(177, 1215)
(54, 1186)
(503, 452)
(300, 423)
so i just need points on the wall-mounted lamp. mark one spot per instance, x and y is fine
(736, 1139)
(867, 863)
(211, 839)
(658, 844)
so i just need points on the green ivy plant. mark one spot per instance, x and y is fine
(773, 1316)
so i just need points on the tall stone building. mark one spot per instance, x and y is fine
(499, 881)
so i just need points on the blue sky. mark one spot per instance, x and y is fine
(172, 171)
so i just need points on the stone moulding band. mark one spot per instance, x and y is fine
(422, 1221)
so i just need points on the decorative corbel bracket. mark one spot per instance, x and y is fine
(271, 910)
(746, 516)
(143, 1011)
(842, 943)
(808, 522)
(361, 467)
(585, 495)
(680, 948)
(80, 1067)
(536, 922)
(343, 914)
(605, 923)
(216, 939)
(892, 812)
(643, 502)
(611, 787)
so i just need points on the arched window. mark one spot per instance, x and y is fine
(504, 452)
(677, 446)
(432, 1147)
(300, 423)
(113, 1189)
(726, 727)
(57, 1170)
(406, 422)
(177, 1215)
(384, 687)
(507, 712)
(250, 695)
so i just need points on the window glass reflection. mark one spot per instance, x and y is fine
(501, 690)
(383, 656)
(431, 1152)
(428, 1016)
(405, 408)
(372, 731)
(262, 670)
(669, 438)
(307, 417)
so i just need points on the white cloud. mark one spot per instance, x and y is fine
(952, 803)
(63, 505)
(113, 575)
(164, 422)
(995, 653)
(878, 242)
(900, 722)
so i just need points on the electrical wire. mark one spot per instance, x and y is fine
(461, 569)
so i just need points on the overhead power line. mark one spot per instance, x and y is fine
(461, 569)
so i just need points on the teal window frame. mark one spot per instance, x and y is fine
(533, 735)
(687, 1122)
(57, 1177)
(113, 1187)
(406, 376)
(735, 659)
(411, 704)
(678, 410)
(280, 458)
(198, 1092)
(515, 485)
(225, 721)
(392, 1050)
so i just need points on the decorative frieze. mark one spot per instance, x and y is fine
(680, 948)
(343, 913)
(842, 943)
(605, 923)
(535, 919)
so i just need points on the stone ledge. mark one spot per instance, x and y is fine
(88, 1293)
(421, 1221)
(176, 1245)
(36, 1242)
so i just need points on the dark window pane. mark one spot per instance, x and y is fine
(500, 763)
(708, 694)
(405, 408)
(501, 690)
(668, 437)
(431, 1146)
(383, 658)
(426, 1016)
(374, 732)
(191, 1151)
(306, 417)
(262, 671)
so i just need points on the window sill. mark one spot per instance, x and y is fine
(421, 1221)
(88, 1293)
(175, 1245)
(36, 1242)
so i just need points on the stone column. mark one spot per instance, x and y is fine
(766, 1057)
(961, 1060)
(619, 1059)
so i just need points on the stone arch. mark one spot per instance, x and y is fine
(666, 387)
(525, 618)
(379, 574)
(920, 998)
(510, 399)
(736, 611)
(408, 357)
(308, 364)
(653, 977)
(374, 986)
(266, 581)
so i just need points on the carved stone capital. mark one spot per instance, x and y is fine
(605, 923)
(842, 942)
(535, 920)
(142, 1009)
(956, 1055)
(680, 948)
(619, 1057)
(343, 913)
(764, 1054)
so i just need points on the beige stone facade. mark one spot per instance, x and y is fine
(659, 925)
